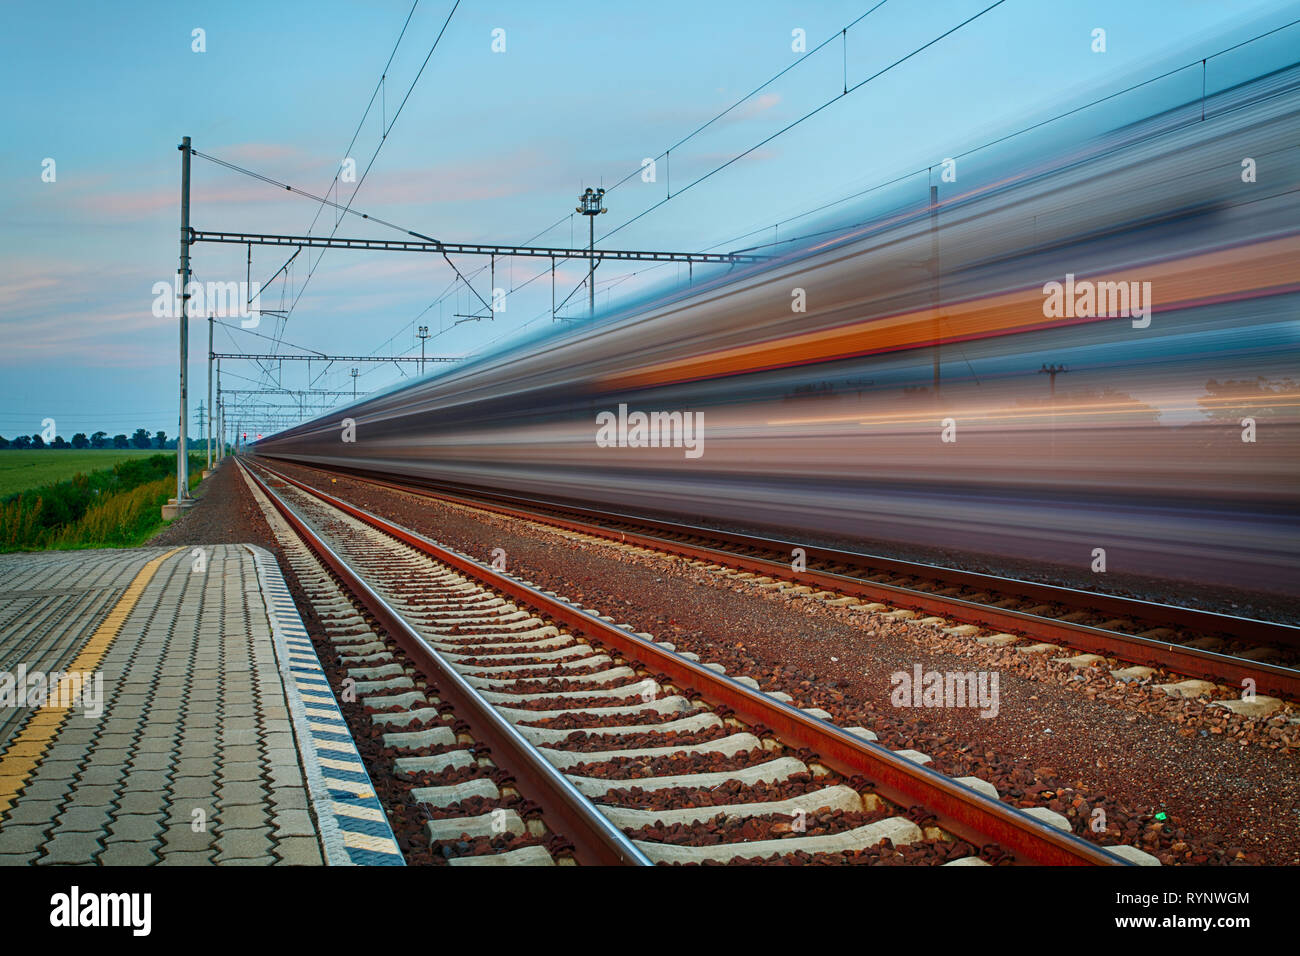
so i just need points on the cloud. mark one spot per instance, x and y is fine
(716, 158)
(519, 172)
(149, 203)
(258, 152)
(69, 313)
(687, 118)
(755, 106)
(480, 178)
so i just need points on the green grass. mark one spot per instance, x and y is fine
(117, 507)
(21, 469)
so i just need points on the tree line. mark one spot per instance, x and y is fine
(141, 439)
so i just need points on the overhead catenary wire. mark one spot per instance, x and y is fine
(383, 139)
(702, 127)
(346, 209)
(811, 113)
(357, 132)
(758, 89)
(699, 129)
(856, 86)
(324, 201)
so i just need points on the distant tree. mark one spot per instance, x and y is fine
(160, 440)
(38, 441)
(141, 438)
(1120, 407)
(22, 441)
(4, 442)
(99, 440)
(80, 440)
(121, 441)
(60, 442)
(1266, 399)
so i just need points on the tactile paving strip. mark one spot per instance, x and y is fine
(353, 827)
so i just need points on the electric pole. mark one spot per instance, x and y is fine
(211, 320)
(592, 205)
(934, 289)
(221, 417)
(1053, 371)
(423, 334)
(183, 500)
(354, 384)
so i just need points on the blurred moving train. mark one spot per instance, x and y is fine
(908, 402)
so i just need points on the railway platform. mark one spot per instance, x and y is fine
(165, 706)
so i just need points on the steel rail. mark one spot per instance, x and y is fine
(1133, 648)
(960, 810)
(596, 839)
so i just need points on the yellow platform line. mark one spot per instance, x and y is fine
(27, 750)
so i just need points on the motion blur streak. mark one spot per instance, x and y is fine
(909, 402)
(1223, 275)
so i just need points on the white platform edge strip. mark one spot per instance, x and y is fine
(294, 650)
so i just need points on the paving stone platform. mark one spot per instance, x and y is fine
(185, 741)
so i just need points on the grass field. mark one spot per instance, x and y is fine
(118, 506)
(30, 468)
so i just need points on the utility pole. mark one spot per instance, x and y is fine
(183, 499)
(424, 334)
(934, 288)
(592, 205)
(200, 420)
(354, 384)
(1053, 371)
(211, 320)
(221, 416)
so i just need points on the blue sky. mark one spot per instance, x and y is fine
(490, 147)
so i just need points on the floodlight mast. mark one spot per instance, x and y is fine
(591, 204)
(423, 334)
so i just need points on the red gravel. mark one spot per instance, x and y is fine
(724, 794)
(225, 514)
(595, 721)
(722, 829)
(580, 742)
(1073, 742)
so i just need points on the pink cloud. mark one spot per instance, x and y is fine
(257, 152)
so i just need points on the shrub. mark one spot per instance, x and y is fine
(116, 506)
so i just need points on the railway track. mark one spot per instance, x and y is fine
(1203, 645)
(634, 753)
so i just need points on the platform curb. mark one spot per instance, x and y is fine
(353, 827)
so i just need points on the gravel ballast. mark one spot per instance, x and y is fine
(1186, 781)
